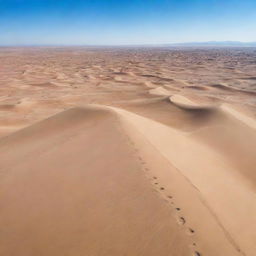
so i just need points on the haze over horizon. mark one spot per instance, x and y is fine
(38, 22)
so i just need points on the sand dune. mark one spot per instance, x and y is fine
(127, 152)
(250, 121)
(68, 193)
(185, 154)
(68, 202)
(160, 91)
(187, 103)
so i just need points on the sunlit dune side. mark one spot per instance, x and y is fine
(127, 152)
(248, 120)
(160, 91)
(209, 162)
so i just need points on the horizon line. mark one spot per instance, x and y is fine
(187, 43)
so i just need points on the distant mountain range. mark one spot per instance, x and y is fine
(216, 44)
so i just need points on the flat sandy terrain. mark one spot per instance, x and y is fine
(127, 151)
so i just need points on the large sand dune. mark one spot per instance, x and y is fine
(139, 160)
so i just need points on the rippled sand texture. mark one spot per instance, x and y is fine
(36, 83)
(133, 152)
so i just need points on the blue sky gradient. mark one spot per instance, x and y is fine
(113, 22)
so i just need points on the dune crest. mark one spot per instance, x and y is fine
(66, 201)
(160, 91)
(186, 103)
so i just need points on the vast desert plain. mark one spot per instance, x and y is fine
(127, 151)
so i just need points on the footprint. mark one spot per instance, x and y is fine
(182, 220)
(170, 197)
(156, 183)
(178, 209)
(161, 188)
(154, 177)
(191, 231)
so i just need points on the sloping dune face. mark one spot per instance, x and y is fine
(127, 152)
(219, 164)
(73, 185)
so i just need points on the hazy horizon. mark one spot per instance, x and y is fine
(103, 23)
(181, 44)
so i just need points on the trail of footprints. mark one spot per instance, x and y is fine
(157, 187)
(180, 219)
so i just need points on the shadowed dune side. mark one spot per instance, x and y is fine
(223, 87)
(162, 110)
(221, 126)
(197, 87)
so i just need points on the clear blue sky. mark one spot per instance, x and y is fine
(71, 22)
